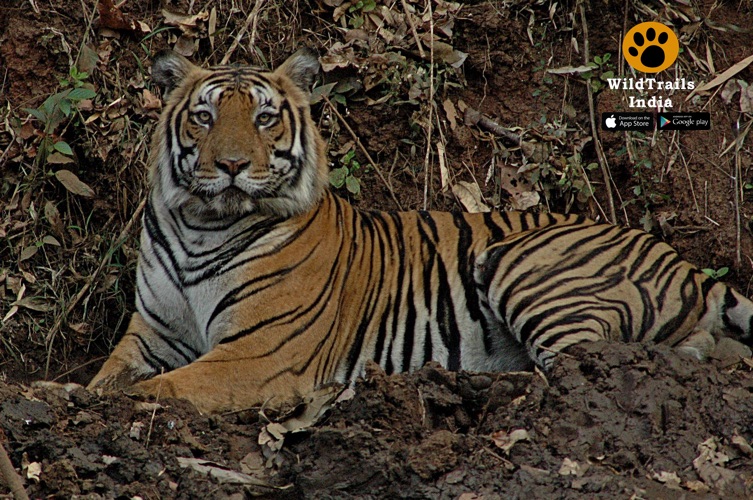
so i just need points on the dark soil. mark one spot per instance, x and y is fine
(609, 421)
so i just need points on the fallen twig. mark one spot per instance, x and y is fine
(413, 30)
(363, 150)
(473, 117)
(429, 122)
(12, 479)
(251, 20)
(594, 130)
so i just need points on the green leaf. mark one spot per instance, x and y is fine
(320, 92)
(65, 107)
(347, 157)
(63, 147)
(81, 93)
(337, 177)
(37, 113)
(352, 184)
(722, 271)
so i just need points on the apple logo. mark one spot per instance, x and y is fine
(611, 122)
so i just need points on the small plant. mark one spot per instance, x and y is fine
(53, 112)
(346, 175)
(716, 274)
(646, 179)
(358, 9)
(600, 65)
(76, 78)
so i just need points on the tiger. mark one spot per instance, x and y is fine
(256, 284)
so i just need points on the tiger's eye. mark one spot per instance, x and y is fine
(203, 118)
(264, 118)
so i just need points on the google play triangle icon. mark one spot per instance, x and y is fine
(663, 121)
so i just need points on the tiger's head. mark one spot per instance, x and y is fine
(233, 140)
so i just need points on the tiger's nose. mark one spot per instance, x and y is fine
(232, 166)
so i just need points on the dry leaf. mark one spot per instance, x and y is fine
(506, 441)
(746, 97)
(572, 468)
(33, 471)
(709, 465)
(212, 28)
(271, 437)
(726, 75)
(696, 486)
(742, 444)
(470, 197)
(185, 46)
(670, 479)
(451, 113)
(444, 174)
(33, 304)
(28, 252)
(146, 406)
(525, 200)
(223, 474)
(111, 17)
(52, 214)
(252, 463)
(72, 183)
(522, 194)
(135, 431)
(445, 53)
(149, 100)
(189, 24)
(56, 158)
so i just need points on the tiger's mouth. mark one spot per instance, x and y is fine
(230, 192)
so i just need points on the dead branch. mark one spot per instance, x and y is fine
(11, 478)
(473, 117)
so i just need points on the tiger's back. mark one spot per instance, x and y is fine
(255, 283)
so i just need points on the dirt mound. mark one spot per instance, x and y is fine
(609, 421)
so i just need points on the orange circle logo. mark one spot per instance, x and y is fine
(650, 47)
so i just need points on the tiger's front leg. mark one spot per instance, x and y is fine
(126, 365)
(225, 379)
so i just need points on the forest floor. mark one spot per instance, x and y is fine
(493, 112)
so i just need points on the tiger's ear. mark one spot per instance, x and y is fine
(302, 68)
(170, 69)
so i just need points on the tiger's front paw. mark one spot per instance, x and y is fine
(116, 375)
(156, 387)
